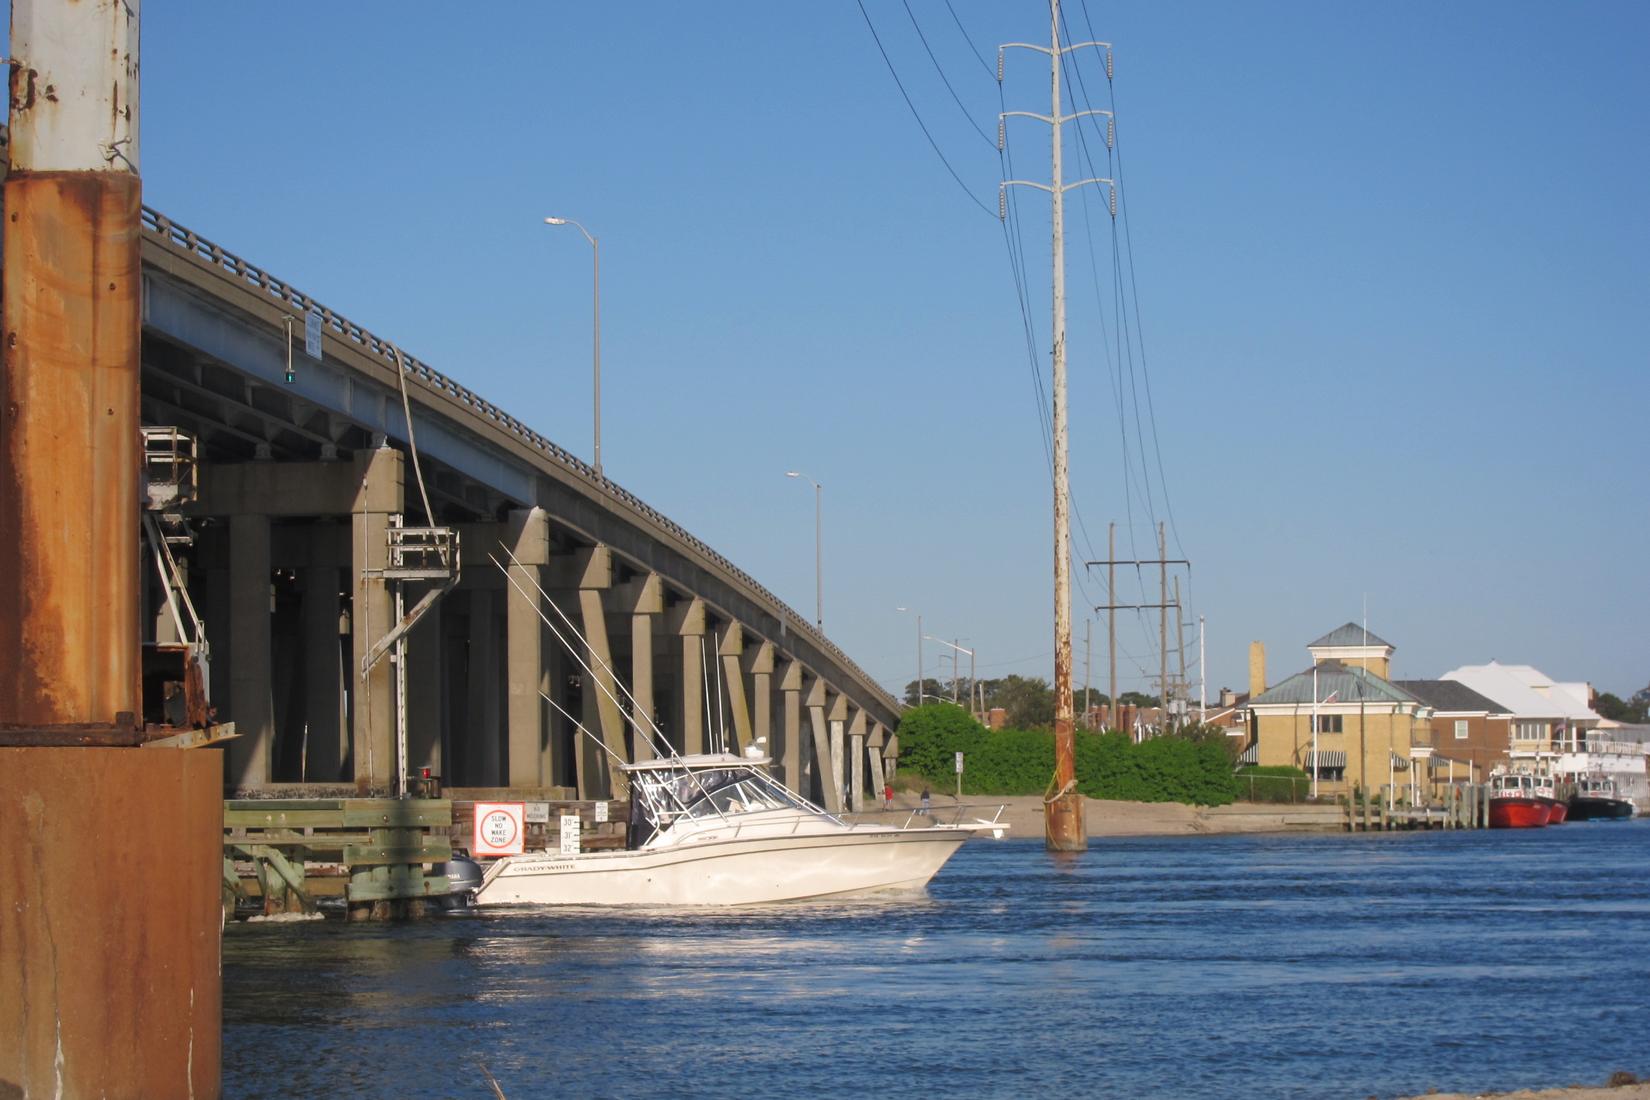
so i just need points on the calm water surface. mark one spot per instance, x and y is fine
(1298, 966)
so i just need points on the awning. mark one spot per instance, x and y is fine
(1251, 755)
(1326, 758)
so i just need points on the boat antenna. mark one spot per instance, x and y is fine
(704, 678)
(721, 715)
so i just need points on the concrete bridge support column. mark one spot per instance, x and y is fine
(790, 686)
(760, 661)
(830, 790)
(643, 597)
(873, 757)
(689, 625)
(856, 760)
(324, 672)
(372, 733)
(251, 704)
(527, 534)
(591, 572)
(730, 647)
(836, 772)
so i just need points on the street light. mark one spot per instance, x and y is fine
(819, 575)
(957, 651)
(919, 652)
(596, 254)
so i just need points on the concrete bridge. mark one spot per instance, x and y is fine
(306, 490)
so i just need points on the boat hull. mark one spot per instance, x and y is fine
(1600, 809)
(1556, 811)
(1518, 813)
(727, 872)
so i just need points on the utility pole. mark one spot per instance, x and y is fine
(1163, 627)
(1180, 641)
(1111, 615)
(1064, 814)
(1202, 678)
(1088, 664)
(1112, 607)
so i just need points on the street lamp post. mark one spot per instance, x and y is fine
(919, 652)
(819, 573)
(596, 256)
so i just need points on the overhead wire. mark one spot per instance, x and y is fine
(957, 99)
(886, 60)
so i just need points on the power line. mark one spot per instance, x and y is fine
(941, 70)
(973, 198)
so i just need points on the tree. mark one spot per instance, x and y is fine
(1137, 699)
(1611, 707)
(931, 689)
(1029, 700)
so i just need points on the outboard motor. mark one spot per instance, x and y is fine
(464, 879)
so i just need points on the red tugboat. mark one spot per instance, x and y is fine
(1546, 789)
(1514, 803)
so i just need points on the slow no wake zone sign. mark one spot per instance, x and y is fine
(500, 828)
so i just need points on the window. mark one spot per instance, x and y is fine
(1332, 775)
(1329, 723)
(1460, 729)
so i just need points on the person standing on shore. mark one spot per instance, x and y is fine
(926, 799)
(887, 797)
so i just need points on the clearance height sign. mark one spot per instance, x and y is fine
(500, 829)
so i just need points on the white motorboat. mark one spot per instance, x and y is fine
(718, 829)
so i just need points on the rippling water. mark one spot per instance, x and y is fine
(1291, 966)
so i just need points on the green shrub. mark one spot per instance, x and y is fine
(1273, 783)
(1109, 765)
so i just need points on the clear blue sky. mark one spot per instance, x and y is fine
(1391, 262)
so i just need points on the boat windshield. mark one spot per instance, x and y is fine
(661, 797)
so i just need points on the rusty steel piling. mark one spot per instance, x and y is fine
(110, 854)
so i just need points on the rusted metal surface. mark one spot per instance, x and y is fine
(110, 938)
(69, 462)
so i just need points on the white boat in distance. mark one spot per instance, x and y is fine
(718, 829)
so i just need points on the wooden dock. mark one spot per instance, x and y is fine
(1464, 806)
(379, 858)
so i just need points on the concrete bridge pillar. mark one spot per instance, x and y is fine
(481, 733)
(873, 747)
(590, 572)
(688, 623)
(730, 647)
(790, 686)
(527, 534)
(760, 663)
(380, 494)
(834, 771)
(643, 598)
(830, 791)
(251, 701)
(324, 672)
(856, 760)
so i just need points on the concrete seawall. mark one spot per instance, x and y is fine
(1105, 817)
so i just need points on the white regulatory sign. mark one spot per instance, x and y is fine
(601, 812)
(312, 334)
(570, 834)
(500, 829)
(538, 813)
(959, 763)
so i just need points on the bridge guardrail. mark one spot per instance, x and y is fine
(185, 240)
